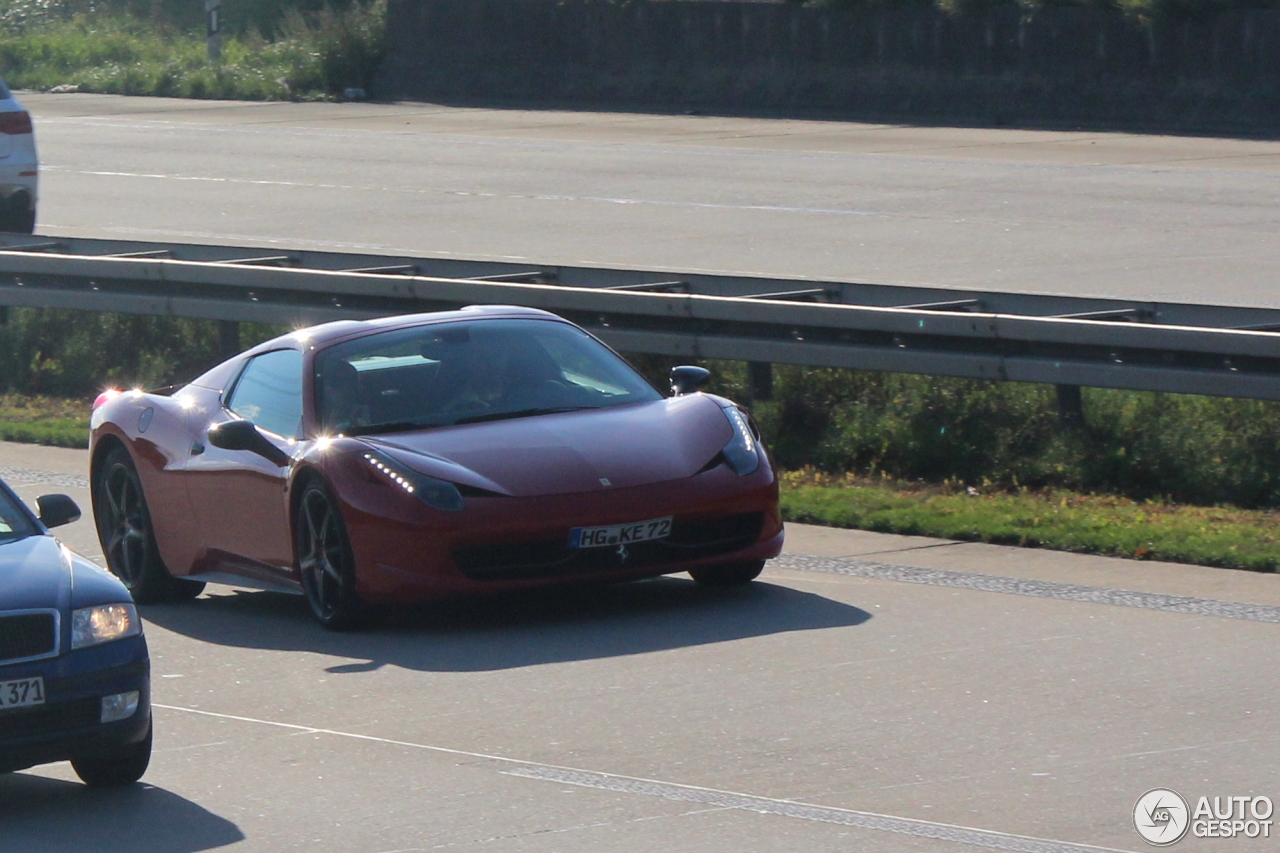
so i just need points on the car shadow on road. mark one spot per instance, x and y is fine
(512, 631)
(39, 814)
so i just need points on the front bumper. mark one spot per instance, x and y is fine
(406, 552)
(69, 724)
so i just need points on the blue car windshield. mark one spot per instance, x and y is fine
(464, 372)
(14, 523)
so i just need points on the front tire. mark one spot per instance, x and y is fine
(728, 574)
(123, 767)
(325, 562)
(128, 539)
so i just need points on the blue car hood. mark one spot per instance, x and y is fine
(35, 572)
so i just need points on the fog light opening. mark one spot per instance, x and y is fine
(119, 706)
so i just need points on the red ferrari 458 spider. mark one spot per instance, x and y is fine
(413, 458)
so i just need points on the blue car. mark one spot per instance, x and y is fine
(75, 678)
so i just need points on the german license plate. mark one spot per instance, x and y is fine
(22, 692)
(619, 534)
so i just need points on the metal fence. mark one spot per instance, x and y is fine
(1066, 341)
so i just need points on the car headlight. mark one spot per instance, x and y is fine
(742, 452)
(102, 624)
(432, 492)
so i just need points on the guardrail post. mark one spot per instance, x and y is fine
(228, 338)
(213, 37)
(1070, 406)
(760, 380)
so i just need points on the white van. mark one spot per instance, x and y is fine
(19, 166)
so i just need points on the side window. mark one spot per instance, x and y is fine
(269, 392)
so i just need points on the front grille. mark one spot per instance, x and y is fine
(51, 719)
(693, 539)
(27, 635)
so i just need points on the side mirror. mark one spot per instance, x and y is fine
(243, 435)
(686, 379)
(57, 510)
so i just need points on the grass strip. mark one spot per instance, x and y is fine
(1058, 520)
(44, 420)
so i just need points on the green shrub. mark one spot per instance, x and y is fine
(316, 51)
(74, 354)
(236, 17)
(1201, 450)
(1006, 436)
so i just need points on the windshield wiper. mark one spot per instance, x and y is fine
(520, 413)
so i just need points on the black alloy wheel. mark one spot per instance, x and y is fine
(325, 562)
(128, 541)
(728, 574)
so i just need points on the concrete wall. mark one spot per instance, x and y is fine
(997, 65)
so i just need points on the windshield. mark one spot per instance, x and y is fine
(14, 523)
(451, 373)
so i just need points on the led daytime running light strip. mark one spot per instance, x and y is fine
(742, 428)
(395, 475)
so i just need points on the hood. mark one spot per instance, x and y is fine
(588, 451)
(35, 572)
(91, 584)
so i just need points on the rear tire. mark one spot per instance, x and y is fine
(325, 562)
(18, 216)
(25, 221)
(128, 539)
(728, 574)
(123, 767)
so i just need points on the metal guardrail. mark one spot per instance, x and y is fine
(1067, 341)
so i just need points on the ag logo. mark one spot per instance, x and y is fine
(1161, 816)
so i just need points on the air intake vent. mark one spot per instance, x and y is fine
(27, 635)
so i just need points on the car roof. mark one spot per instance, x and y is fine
(328, 334)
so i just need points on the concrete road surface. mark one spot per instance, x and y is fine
(868, 693)
(1112, 214)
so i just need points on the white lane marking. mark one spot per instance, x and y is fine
(258, 240)
(55, 230)
(710, 796)
(805, 811)
(214, 180)
(768, 208)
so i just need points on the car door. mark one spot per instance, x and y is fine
(239, 496)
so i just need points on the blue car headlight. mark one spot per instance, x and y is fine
(103, 623)
(742, 452)
(439, 494)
